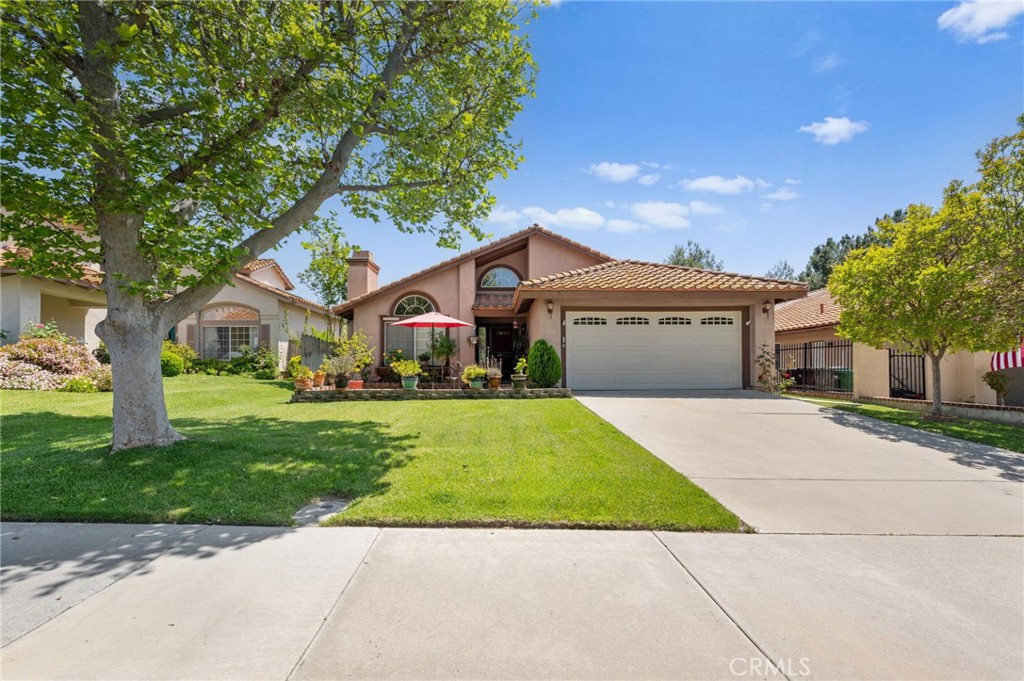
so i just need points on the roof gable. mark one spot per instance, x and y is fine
(495, 247)
(264, 264)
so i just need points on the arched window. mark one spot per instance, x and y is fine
(225, 329)
(412, 342)
(413, 305)
(500, 277)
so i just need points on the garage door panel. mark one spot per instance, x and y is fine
(679, 352)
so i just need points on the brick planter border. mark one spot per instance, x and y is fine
(378, 394)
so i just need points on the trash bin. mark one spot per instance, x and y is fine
(845, 379)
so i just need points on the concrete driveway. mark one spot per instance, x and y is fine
(788, 466)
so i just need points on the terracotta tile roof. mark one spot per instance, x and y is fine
(493, 301)
(817, 309)
(494, 245)
(92, 277)
(264, 263)
(634, 275)
(284, 295)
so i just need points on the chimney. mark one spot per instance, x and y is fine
(362, 274)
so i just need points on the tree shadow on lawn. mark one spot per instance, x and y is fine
(244, 471)
(241, 471)
(1010, 466)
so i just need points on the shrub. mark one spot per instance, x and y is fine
(406, 368)
(103, 378)
(294, 365)
(48, 330)
(265, 374)
(250, 360)
(78, 384)
(543, 366)
(187, 353)
(53, 355)
(210, 367)
(16, 375)
(171, 364)
(473, 372)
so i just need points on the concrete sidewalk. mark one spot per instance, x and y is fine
(143, 602)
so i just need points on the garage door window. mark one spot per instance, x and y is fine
(675, 321)
(590, 321)
(632, 321)
(716, 321)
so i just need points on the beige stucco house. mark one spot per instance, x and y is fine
(258, 309)
(815, 318)
(618, 324)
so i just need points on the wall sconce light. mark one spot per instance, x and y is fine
(515, 326)
(767, 306)
(473, 340)
(551, 306)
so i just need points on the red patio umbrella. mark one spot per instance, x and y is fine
(432, 320)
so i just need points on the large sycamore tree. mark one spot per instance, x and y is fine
(173, 142)
(942, 281)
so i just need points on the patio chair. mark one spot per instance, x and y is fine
(454, 375)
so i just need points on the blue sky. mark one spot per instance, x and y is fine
(756, 129)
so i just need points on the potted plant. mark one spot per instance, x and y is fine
(493, 367)
(443, 348)
(355, 379)
(519, 375)
(474, 375)
(303, 377)
(409, 371)
(318, 378)
(339, 367)
(1000, 384)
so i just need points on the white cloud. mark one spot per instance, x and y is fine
(615, 172)
(704, 208)
(649, 179)
(504, 217)
(979, 22)
(782, 194)
(765, 207)
(835, 130)
(721, 185)
(661, 214)
(623, 226)
(791, 181)
(828, 62)
(565, 218)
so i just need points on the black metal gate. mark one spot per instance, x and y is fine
(906, 375)
(821, 365)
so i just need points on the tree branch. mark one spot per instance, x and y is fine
(71, 61)
(165, 113)
(390, 185)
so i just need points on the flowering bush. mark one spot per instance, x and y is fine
(53, 355)
(78, 384)
(769, 377)
(47, 330)
(49, 363)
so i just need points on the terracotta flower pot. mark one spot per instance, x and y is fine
(303, 383)
(318, 379)
(355, 384)
(494, 381)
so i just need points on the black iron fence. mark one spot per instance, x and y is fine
(822, 365)
(906, 375)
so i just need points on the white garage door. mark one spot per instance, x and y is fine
(648, 350)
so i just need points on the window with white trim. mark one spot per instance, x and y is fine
(226, 329)
(675, 321)
(717, 321)
(412, 342)
(590, 321)
(500, 277)
(632, 321)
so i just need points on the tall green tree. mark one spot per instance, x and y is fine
(693, 255)
(923, 287)
(781, 270)
(188, 137)
(827, 256)
(327, 274)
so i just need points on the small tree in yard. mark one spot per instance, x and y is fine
(184, 139)
(327, 274)
(543, 366)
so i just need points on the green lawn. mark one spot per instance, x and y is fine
(252, 458)
(984, 432)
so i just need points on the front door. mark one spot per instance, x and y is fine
(500, 344)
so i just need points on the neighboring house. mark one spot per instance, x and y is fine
(880, 372)
(258, 309)
(616, 323)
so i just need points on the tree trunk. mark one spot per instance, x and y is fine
(936, 384)
(134, 338)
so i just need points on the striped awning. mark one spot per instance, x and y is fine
(1008, 360)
